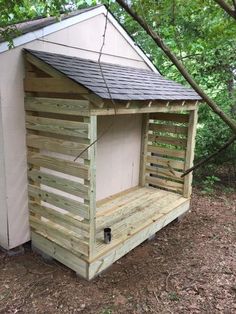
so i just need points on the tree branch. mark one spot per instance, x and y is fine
(234, 4)
(205, 160)
(227, 8)
(185, 57)
(159, 41)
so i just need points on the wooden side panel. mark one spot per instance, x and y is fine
(167, 150)
(57, 85)
(73, 107)
(63, 255)
(60, 189)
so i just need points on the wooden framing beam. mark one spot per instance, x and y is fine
(135, 107)
(53, 85)
(91, 183)
(73, 107)
(192, 128)
(144, 145)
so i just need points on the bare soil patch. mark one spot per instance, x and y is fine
(189, 267)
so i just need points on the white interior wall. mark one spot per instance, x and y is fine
(86, 34)
(118, 154)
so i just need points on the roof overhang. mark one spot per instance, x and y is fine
(111, 81)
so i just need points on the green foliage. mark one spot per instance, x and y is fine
(209, 184)
(173, 296)
(107, 311)
(12, 12)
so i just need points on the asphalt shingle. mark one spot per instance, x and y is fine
(124, 83)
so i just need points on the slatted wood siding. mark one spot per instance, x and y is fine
(166, 142)
(61, 190)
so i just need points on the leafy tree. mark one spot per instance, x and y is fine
(203, 37)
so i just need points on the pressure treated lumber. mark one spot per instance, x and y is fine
(60, 127)
(67, 239)
(73, 107)
(166, 163)
(190, 152)
(60, 201)
(53, 85)
(169, 128)
(56, 145)
(166, 151)
(176, 117)
(71, 259)
(67, 219)
(139, 109)
(182, 142)
(59, 183)
(163, 183)
(92, 121)
(167, 173)
(144, 142)
(61, 165)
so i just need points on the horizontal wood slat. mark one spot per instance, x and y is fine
(56, 105)
(175, 117)
(166, 151)
(68, 239)
(65, 166)
(75, 262)
(167, 140)
(53, 85)
(164, 183)
(165, 162)
(168, 128)
(60, 201)
(56, 145)
(67, 220)
(64, 127)
(62, 184)
(168, 173)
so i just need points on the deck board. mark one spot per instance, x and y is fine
(131, 211)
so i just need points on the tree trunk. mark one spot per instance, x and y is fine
(225, 6)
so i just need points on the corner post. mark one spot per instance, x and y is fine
(92, 120)
(143, 155)
(192, 127)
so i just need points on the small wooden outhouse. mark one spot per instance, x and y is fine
(107, 145)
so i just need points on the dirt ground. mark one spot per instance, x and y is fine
(189, 267)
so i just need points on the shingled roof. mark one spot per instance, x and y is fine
(125, 83)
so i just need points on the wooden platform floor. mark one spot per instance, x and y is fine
(132, 211)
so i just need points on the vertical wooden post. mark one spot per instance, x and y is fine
(92, 183)
(143, 157)
(192, 127)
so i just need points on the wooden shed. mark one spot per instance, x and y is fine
(129, 180)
